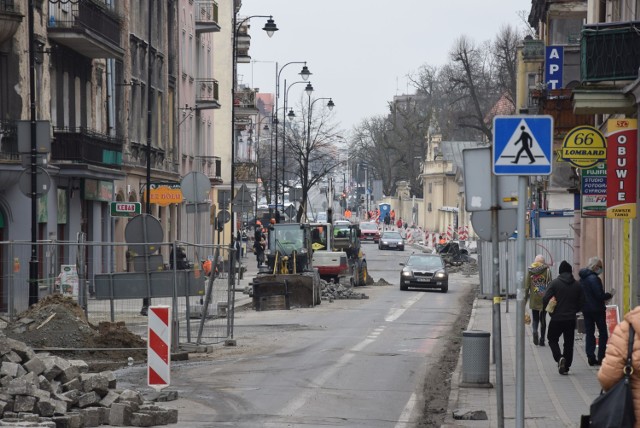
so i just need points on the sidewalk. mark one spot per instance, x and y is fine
(550, 399)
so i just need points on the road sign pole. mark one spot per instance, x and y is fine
(497, 324)
(520, 300)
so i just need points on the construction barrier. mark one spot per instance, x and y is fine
(158, 345)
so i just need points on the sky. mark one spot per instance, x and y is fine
(361, 51)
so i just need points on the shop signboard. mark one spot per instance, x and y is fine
(593, 195)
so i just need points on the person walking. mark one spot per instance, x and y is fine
(387, 221)
(594, 310)
(569, 298)
(612, 368)
(536, 283)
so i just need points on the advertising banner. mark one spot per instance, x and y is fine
(621, 168)
(593, 186)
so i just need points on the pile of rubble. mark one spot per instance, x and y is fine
(43, 390)
(332, 291)
(58, 321)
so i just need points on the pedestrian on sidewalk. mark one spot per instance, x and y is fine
(536, 283)
(569, 301)
(594, 310)
(259, 246)
(616, 357)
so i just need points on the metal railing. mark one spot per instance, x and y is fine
(109, 283)
(86, 146)
(8, 140)
(86, 15)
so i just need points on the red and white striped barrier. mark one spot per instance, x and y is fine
(158, 347)
(450, 232)
(463, 233)
(409, 236)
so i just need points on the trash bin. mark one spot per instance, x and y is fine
(475, 359)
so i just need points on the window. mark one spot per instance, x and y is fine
(430, 189)
(565, 30)
(429, 207)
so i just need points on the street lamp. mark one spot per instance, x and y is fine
(304, 73)
(308, 89)
(270, 27)
(330, 105)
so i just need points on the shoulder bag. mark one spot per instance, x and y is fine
(614, 408)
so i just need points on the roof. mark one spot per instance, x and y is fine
(452, 151)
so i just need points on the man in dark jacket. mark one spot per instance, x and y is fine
(594, 310)
(569, 298)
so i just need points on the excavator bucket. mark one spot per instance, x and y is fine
(286, 291)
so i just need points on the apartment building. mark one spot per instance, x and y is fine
(598, 82)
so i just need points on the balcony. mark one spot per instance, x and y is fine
(8, 141)
(10, 20)
(246, 172)
(558, 104)
(206, 12)
(610, 51)
(243, 43)
(88, 27)
(533, 50)
(80, 145)
(207, 94)
(245, 103)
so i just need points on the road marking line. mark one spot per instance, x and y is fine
(395, 313)
(319, 381)
(405, 416)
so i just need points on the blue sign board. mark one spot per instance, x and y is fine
(553, 64)
(522, 145)
(384, 210)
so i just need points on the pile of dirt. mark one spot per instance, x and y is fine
(59, 322)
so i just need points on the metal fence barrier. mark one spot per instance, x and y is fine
(111, 283)
(554, 251)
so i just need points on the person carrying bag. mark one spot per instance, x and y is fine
(619, 375)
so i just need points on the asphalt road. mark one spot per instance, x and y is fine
(351, 363)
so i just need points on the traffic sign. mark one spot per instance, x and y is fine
(522, 145)
(125, 209)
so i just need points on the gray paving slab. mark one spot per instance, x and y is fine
(551, 400)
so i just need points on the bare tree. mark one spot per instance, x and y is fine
(311, 150)
(506, 59)
(471, 84)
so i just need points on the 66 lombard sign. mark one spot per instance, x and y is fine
(125, 209)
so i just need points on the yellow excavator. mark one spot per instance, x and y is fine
(289, 278)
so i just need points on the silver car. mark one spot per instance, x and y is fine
(391, 240)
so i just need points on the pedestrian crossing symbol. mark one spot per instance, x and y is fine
(522, 145)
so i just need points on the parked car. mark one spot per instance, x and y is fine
(391, 240)
(369, 231)
(424, 271)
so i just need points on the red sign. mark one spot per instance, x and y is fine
(612, 318)
(622, 139)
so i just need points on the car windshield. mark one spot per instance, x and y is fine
(391, 235)
(368, 226)
(425, 262)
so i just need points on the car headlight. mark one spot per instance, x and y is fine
(406, 273)
(385, 243)
(440, 274)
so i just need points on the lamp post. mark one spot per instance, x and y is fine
(259, 159)
(330, 105)
(304, 73)
(270, 27)
(308, 89)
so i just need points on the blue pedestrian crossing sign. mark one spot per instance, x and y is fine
(522, 145)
